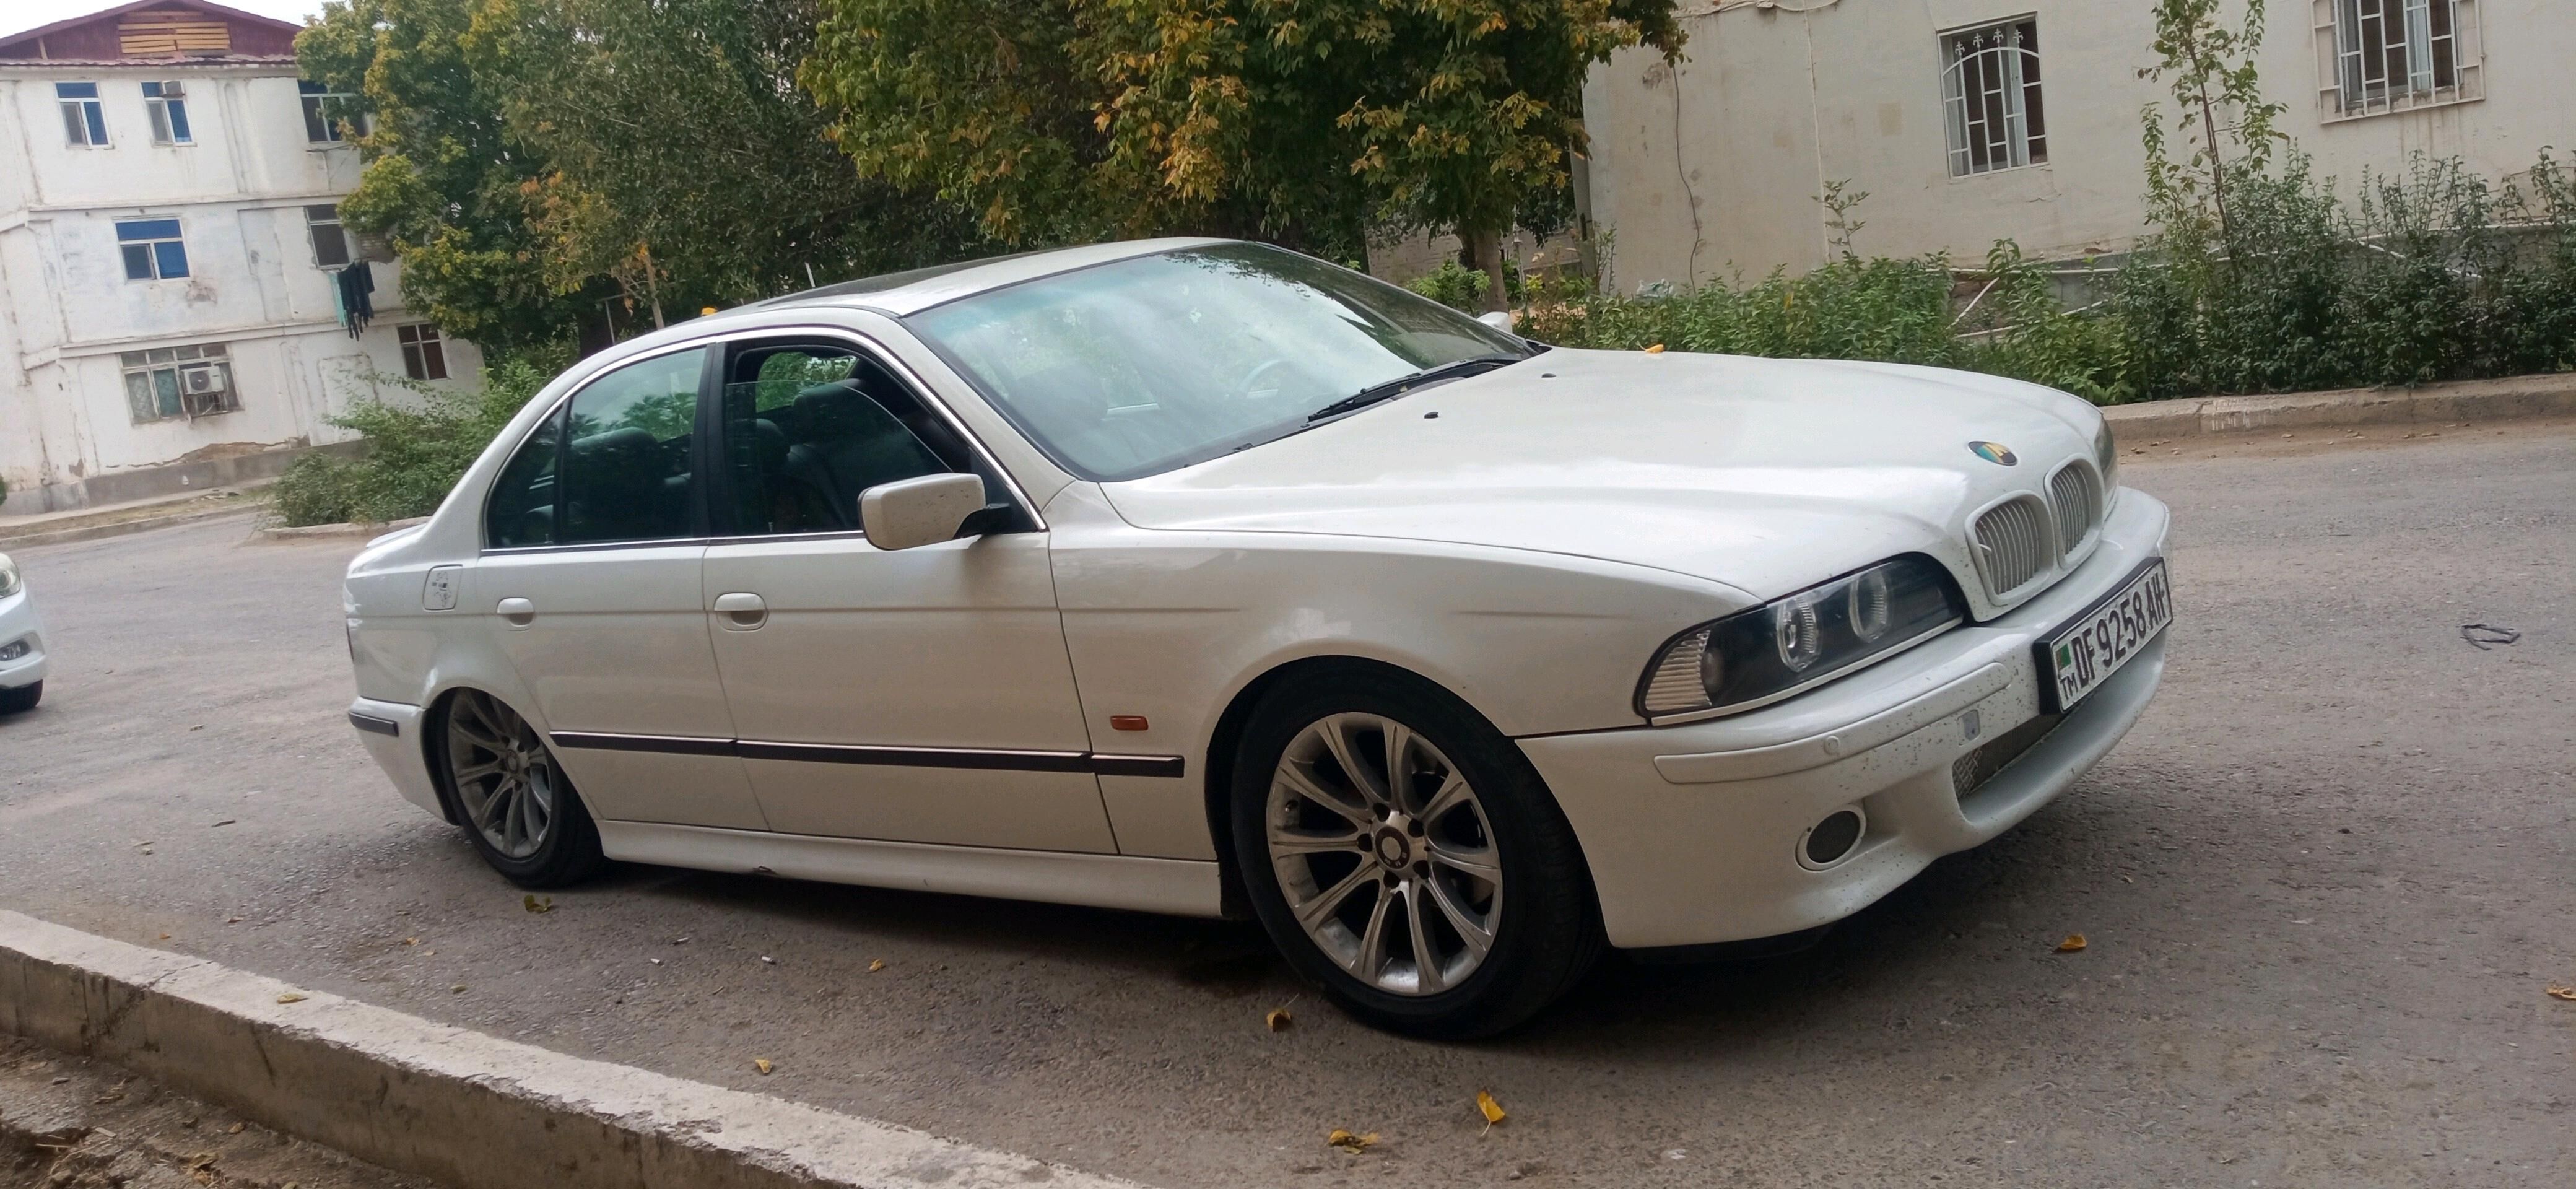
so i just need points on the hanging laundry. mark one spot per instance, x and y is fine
(356, 283)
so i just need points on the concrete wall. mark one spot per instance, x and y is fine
(1712, 170)
(67, 310)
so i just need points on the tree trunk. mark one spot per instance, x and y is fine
(1486, 249)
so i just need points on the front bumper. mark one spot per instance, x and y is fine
(19, 625)
(1693, 832)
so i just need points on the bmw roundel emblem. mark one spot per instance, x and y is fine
(1995, 452)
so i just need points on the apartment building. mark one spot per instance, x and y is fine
(179, 304)
(1969, 121)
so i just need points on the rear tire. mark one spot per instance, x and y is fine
(21, 699)
(512, 798)
(1335, 863)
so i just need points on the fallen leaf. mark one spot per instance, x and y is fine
(2073, 942)
(876, 966)
(1278, 1019)
(1493, 1110)
(221, 824)
(458, 989)
(762, 1064)
(411, 941)
(232, 920)
(2559, 992)
(235, 1129)
(292, 997)
(165, 937)
(532, 904)
(203, 1160)
(1351, 1143)
(1657, 349)
(198, 727)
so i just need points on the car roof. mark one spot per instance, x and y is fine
(903, 293)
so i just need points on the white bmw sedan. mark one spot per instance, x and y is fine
(22, 643)
(1195, 576)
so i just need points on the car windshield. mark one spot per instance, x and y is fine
(1141, 366)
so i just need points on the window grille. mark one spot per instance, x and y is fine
(2390, 55)
(173, 382)
(1990, 94)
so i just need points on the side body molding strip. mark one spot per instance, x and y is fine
(993, 759)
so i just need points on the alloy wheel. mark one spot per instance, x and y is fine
(505, 778)
(1384, 854)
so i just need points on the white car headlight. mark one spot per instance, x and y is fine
(9, 580)
(1786, 645)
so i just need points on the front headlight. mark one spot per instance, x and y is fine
(9, 580)
(2106, 455)
(1763, 655)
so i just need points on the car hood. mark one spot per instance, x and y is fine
(1765, 475)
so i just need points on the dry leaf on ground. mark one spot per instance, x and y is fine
(1278, 1019)
(532, 904)
(876, 966)
(1493, 1110)
(2073, 942)
(291, 997)
(762, 1064)
(2559, 992)
(1351, 1143)
(1657, 349)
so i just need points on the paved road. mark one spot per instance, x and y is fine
(2325, 883)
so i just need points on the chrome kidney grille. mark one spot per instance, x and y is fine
(2077, 497)
(2022, 540)
(2013, 544)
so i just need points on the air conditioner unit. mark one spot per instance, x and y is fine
(206, 380)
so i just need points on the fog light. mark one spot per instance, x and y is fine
(15, 649)
(1830, 841)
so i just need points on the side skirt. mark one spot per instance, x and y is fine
(1176, 886)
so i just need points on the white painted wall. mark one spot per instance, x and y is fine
(67, 310)
(1712, 170)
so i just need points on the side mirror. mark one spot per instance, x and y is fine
(909, 513)
(1499, 319)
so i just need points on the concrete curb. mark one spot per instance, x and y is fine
(462, 1108)
(100, 532)
(315, 532)
(2518, 397)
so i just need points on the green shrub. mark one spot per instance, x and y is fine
(1461, 288)
(415, 452)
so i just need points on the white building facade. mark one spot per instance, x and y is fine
(1970, 121)
(171, 262)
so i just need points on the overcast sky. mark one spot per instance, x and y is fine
(19, 15)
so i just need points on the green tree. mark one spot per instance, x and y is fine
(1303, 121)
(444, 178)
(681, 158)
(2218, 110)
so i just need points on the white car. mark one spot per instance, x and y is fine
(1201, 577)
(22, 643)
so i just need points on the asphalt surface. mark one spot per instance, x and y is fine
(2324, 884)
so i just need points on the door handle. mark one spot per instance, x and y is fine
(518, 613)
(741, 612)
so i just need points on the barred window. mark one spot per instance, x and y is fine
(2388, 55)
(1990, 96)
(170, 382)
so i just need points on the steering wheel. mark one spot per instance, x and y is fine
(1251, 384)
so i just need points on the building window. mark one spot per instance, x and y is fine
(324, 112)
(172, 382)
(84, 122)
(1990, 94)
(2395, 54)
(167, 104)
(330, 240)
(152, 249)
(424, 357)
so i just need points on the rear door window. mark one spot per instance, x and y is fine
(627, 470)
(521, 512)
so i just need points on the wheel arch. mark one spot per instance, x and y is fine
(1217, 768)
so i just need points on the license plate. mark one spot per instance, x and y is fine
(2079, 657)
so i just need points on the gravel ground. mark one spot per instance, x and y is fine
(2324, 883)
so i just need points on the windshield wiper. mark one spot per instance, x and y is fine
(1403, 384)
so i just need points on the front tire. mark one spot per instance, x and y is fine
(21, 699)
(516, 804)
(1406, 857)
